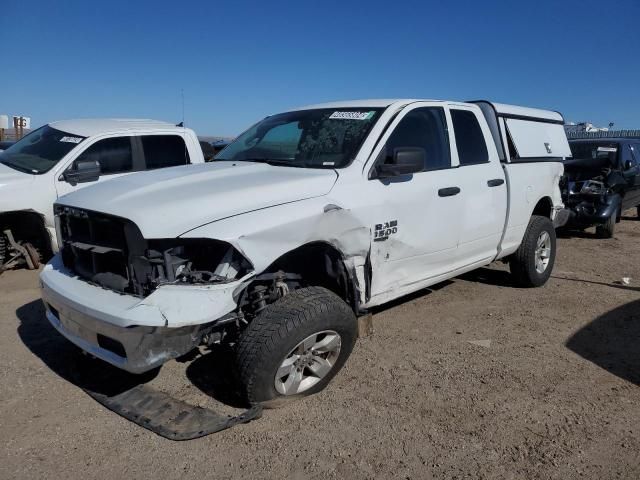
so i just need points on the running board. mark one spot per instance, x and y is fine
(167, 416)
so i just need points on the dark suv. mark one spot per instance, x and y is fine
(601, 180)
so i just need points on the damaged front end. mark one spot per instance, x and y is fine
(591, 190)
(111, 252)
(159, 298)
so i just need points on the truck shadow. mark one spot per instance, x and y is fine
(68, 361)
(612, 341)
(214, 375)
(567, 233)
(489, 276)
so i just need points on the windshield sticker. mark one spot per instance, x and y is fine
(328, 164)
(607, 149)
(351, 115)
(71, 139)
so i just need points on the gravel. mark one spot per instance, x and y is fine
(471, 379)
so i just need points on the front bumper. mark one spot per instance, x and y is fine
(132, 333)
(587, 210)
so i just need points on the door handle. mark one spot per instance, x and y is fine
(496, 182)
(448, 192)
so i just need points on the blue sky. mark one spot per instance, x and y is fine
(239, 61)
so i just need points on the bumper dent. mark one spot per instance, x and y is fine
(131, 333)
(137, 349)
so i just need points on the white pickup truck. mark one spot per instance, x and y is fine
(62, 157)
(304, 222)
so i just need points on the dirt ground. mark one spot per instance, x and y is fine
(551, 393)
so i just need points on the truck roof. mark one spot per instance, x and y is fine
(87, 127)
(501, 108)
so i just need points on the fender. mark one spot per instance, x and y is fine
(266, 235)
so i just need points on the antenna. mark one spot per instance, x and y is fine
(182, 95)
(181, 124)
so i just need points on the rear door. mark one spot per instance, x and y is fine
(483, 187)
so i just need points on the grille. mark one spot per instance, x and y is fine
(100, 248)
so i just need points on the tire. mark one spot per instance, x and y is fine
(607, 229)
(525, 263)
(270, 345)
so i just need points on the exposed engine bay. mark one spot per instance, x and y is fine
(591, 189)
(111, 252)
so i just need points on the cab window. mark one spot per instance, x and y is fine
(113, 154)
(472, 148)
(424, 128)
(164, 151)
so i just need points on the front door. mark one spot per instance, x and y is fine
(416, 218)
(115, 156)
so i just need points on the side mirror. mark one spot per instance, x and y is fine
(85, 171)
(628, 165)
(406, 160)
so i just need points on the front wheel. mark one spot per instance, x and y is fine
(532, 263)
(606, 230)
(295, 346)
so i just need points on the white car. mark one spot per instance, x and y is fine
(63, 157)
(304, 222)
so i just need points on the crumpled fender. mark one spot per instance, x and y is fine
(265, 235)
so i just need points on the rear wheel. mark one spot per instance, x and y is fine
(607, 229)
(295, 346)
(532, 263)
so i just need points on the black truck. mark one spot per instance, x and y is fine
(601, 181)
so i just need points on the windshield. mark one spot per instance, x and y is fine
(322, 138)
(595, 150)
(39, 151)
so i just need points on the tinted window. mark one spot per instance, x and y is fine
(39, 151)
(424, 128)
(596, 150)
(469, 138)
(164, 151)
(113, 155)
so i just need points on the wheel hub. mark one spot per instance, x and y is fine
(308, 363)
(543, 252)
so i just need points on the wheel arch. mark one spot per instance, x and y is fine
(30, 226)
(322, 264)
(544, 207)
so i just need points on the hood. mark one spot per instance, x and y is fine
(10, 176)
(169, 202)
(16, 192)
